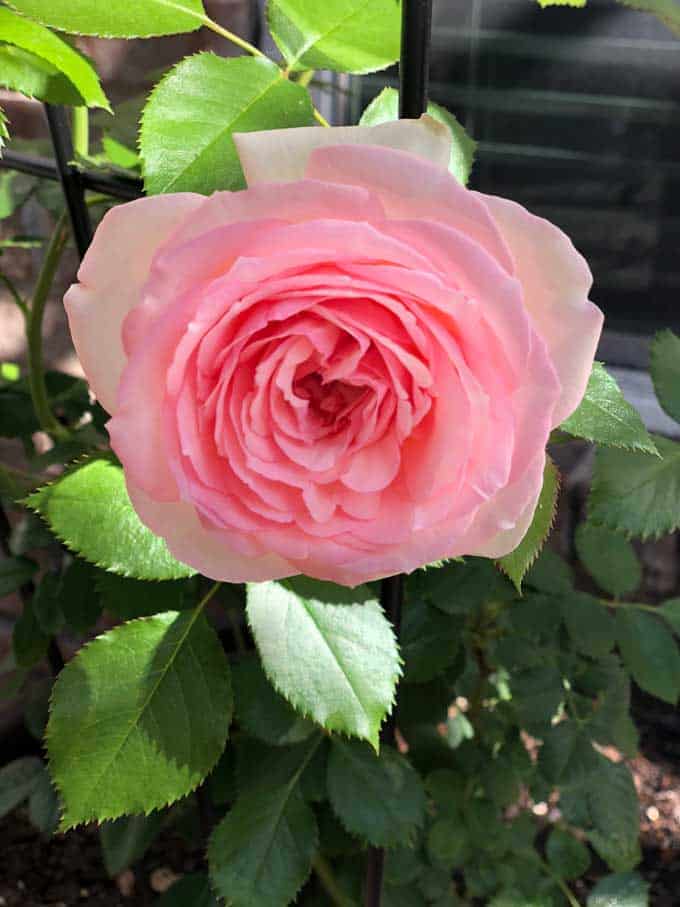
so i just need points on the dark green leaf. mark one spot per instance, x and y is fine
(550, 573)
(567, 855)
(590, 625)
(127, 839)
(186, 137)
(609, 558)
(447, 843)
(191, 890)
(430, 641)
(649, 652)
(94, 494)
(605, 416)
(29, 533)
(42, 43)
(14, 573)
(43, 804)
(637, 493)
(346, 35)
(121, 19)
(459, 588)
(670, 611)
(47, 606)
(665, 369)
(626, 889)
(18, 780)
(80, 603)
(139, 717)
(520, 560)
(338, 664)
(379, 798)
(537, 694)
(262, 711)
(130, 598)
(385, 108)
(614, 814)
(567, 756)
(29, 643)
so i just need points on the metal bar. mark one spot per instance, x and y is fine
(414, 69)
(71, 180)
(116, 185)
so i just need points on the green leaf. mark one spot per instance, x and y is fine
(78, 598)
(665, 369)
(649, 652)
(605, 416)
(550, 573)
(356, 36)
(614, 815)
(609, 558)
(14, 572)
(567, 855)
(43, 804)
(430, 641)
(193, 889)
(120, 19)
(261, 853)
(46, 605)
(625, 889)
(516, 564)
(379, 798)
(670, 611)
(261, 710)
(385, 108)
(139, 717)
(537, 694)
(567, 756)
(127, 839)
(119, 154)
(338, 664)
(447, 842)
(29, 643)
(18, 780)
(130, 598)
(635, 493)
(94, 494)
(35, 77)
(186, 137)
(589, 624)
(50, 48)
(460, 588)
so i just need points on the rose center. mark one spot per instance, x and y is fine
(329, 401)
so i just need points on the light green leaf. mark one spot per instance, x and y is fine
(379, 798)
(649, 652)
(338, 664)
(356, 36)
(186, 137)
(590, 626)
(262, 711)
(609, 558)
(119, 154)
(516, 564)
(635, 493)
(614, 816)
(14, 572)
(567, 855)
(94, 494)
(193, 889)
(139, 717)
(18, 780)
(119, 19)
(44, 44)
(665, 10)
(625, 889)
(385, 108)
(36, 78)
(605, 416)
(665, 368)
(127, 839)
(261, 853)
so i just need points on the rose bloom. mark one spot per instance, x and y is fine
(347, 370)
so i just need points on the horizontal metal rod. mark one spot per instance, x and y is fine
(115, 185)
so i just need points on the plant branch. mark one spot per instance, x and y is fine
(36, 374)
(80, 131)
(15, 293)
(330, 884)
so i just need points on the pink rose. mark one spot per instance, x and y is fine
(347, 370)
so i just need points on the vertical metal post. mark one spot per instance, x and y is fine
(414, 66)
(70, 177)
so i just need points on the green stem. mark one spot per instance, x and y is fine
(36, 373)
(206, 598)
(306, 77)
(80, 131)
(330, 883)
(558, 880)
(15, 293)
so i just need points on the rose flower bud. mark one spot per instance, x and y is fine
(347, 370)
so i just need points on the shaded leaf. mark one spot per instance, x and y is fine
(193, 889)
(665, 368)
(430, 641)
(649, 652)
(590, 626)
(126, 840)
(609, 558)
(14, 573)
(625, 889)
(567, 855)
(18, 780)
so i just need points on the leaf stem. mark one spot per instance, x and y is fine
(80, 131)
(209, 594)
(320, 118)
(325, 875)
(557, 879)
(36, 374)
(230, 36)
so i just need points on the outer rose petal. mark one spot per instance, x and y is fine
(110, 281)
(556, 281)
(207, 551)
(281, 155)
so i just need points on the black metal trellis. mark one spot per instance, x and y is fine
(413, 82)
